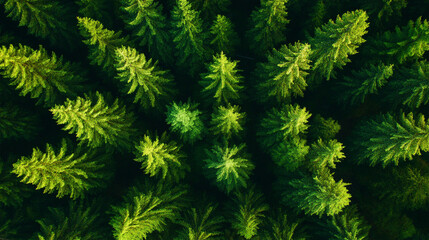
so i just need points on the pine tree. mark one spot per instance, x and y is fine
(319, 195)
(16, 123)
(386, 140)
(335, 41)
(323, 128)
(145, 210)
(364, 82)
(95, 124)
(96, 9)
(12, 193)
(280, 228)
(384, 9)
(347, 225)
(143, 77)
(146, 19)
(189, 37)
(160, 157)
(290, 154)
(61, 171)
(224, 38)
(325, 154)
(404, 44)
(248, 212)
(228, 166)
(284, 74)
(184, 119)
(222, 81)
(36, 73)
(210, 8)
(280, 125)
(227, 121)
(268, 26)
(102, 43)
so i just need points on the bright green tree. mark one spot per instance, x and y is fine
(184, 119)
(16, 123)
(324, 128)
(290, 154)
(280, 124)
(143, 77)
(347, 225)
(102, 42)
(335, 41)
(224, 38)
(39, 74)
(210, 8)
(325, 154)
(189, 37)
(387, 139)
(61, 171)
(160, 157)
(284, 75)
(222, 81)
(96, 9)
(280, 227)
(145, 210)
(366, 81)
(96, 123)
(268, 26)
(146, 19)
(227, 121)
(229, 166)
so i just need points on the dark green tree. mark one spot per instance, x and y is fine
(335, 41)
(184, 119)
(382, 10)
(96, 9)
(290, 154)
(227, 121)
(224, 38)
(12, 193)
(323, 128)
(387, 139)
(102, 43)
(222, 81)
(15, 123)
(146, 19)
(96, 124)
(62, 171)
(325, 154)
(143, 77)
(210, 8)
(5, 37)
(229, 166)
(280, 227)
(268, 26)
(39, 74)
(284, 74)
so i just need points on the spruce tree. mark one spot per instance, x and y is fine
(386, 140)
(227, 121)
(61, 171)
(290, 154)
(12, 192)
(102, 43)
(229, 166)
(189, 38)
(325, 154)
(284, 75)
(224, 38)
(184, 119)
(222, 81)
(210, 8)
(96, 124)
(280, 227)
(16, 123)
(143, 77)
(268, 26)
(382, 10)
(347, 225)
(39, 74)
(96, 9)
(146, 19)
(323, 128)
(335, 41)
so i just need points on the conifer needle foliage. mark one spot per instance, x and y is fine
(61, 171)
(95, 124)
(325, 154)
(227, 121)
(290, 154)
(143, 77)
(184, 119)
(209, 8)
(347, 225)
(224, 38)
(16, 123)
(12, 192)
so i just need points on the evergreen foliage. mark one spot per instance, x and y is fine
(184, 119)
(95, 124)
(144, 78)
(227, 121)
(268, 25)
(146, 19)
(12, 193)
(210, 8)
(325, 154)
(335, 41)
(347, 225)
(36, 73)
(95, 9)
(224, 38)
(222, 81)
(323, 128)
(61, 171)
(386, 140)
(384, 9)
(285, 72)
(280, 228)
(16, 124)
(290, 154)
(160, 157)
(102, 42)
(229, 167)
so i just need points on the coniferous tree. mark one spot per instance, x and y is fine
(268, 25)
(96, 123)
(323, 128)
(384, 9)
(102, 43)
(184, 119)
(61, 171)
(96, 9)
(224, 38)
(284, 74)
(386, 140)
(335, 41)
(210, 8)
(227, 121)
(161, 157)
(222, 81)
(36, 73)
(189, 37)
(229, 166)
(12, 193)
(16, 124)
(325, 154)
(280, 228)
(146, 19)
(290, 154)
(150, 84)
